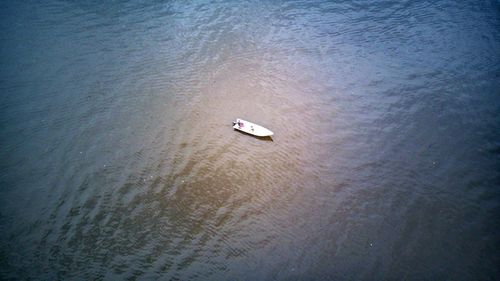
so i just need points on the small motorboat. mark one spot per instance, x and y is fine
(251, 128)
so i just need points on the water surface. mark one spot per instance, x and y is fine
(118, 160)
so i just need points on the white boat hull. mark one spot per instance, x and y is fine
(251, 128)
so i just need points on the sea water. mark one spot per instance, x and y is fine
(118, 159)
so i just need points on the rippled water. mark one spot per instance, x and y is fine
(118, 160)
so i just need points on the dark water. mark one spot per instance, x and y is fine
(118, 160)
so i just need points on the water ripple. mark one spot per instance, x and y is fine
(119, 160)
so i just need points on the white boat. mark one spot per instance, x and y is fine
(251, 128)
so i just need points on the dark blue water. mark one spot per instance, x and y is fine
(118, 160)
